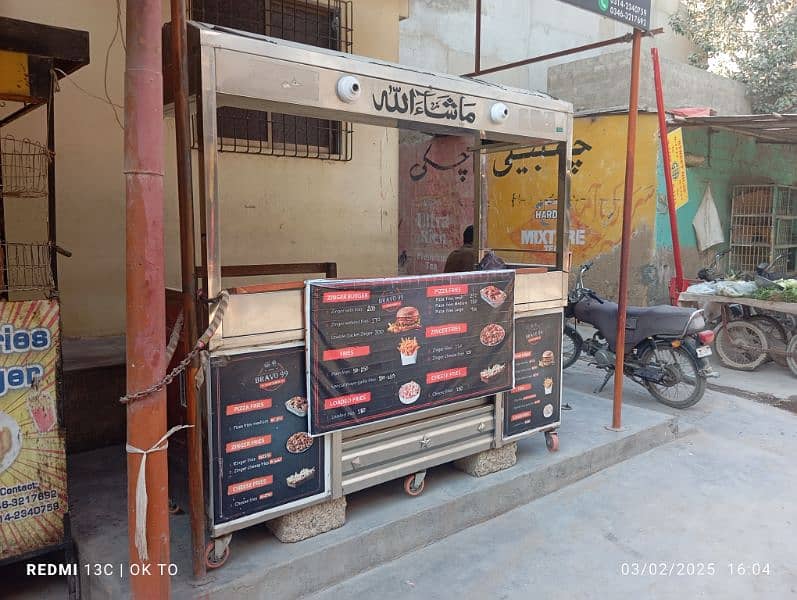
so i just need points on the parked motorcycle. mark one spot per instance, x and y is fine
(666, 347)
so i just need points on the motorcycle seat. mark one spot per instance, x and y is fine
(641, 321)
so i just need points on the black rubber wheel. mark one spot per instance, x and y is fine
(741, 345)
(683, 386)
(776, 336)
(410, 488)
(571, 346)
(552, 441)
(211, 560)
(791, 355)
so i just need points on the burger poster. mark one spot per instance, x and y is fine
(32, 454)
(383, 348)
(534, 402)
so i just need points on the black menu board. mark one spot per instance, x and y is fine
(262, 456)
(382, 348)
(535, 401)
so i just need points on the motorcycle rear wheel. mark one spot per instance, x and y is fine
(684, 386)
(571, 346)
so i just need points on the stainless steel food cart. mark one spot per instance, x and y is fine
(243, 70)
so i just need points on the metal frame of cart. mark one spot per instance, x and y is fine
(244, 70)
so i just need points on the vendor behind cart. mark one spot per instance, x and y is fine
(463, 258)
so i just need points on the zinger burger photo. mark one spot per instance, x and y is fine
(407, 319)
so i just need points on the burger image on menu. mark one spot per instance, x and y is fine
(407, 319)
(493, 296)
(547, 359)
(10, 441)
(409, 392)
(492, 335)
(408, 349)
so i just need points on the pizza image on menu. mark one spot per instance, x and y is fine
(490, 372)
(407, 319)
(409, 392)
(408, 348)
(492, 335)
(299, 442)
(493, 296)
(300, 477)
(297, 405)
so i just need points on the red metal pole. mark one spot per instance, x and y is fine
(146, 311)
(477, 53)
(667, 165)
(625, 247)
(196, 493)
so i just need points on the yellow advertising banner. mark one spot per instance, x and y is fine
(32, 453)
(522, 189)
(675, 142)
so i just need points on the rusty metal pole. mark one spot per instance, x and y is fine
(196, 493)
(625, 247)
(146, 311)
(667, 167)
(477, 52)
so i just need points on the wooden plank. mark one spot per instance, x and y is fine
(784, 307)
(69, 48)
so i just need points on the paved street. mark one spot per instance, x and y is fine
(718, 503)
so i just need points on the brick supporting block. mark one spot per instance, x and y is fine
(309, 522)
(489, 461)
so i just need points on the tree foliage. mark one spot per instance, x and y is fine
(754, 41)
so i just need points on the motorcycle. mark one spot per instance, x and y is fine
(666, 347)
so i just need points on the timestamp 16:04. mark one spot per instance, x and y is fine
(694, 569)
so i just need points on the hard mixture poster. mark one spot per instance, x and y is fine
(382, 348)
(32, 455)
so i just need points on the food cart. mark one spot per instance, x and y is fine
(320, 388)
(34, 514)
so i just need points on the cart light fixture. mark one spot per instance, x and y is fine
(499, 112)
(349, 89)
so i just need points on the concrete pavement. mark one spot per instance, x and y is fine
(715, 510)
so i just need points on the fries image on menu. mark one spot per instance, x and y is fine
(408, 348)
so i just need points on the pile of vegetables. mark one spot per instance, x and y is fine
(785, 290)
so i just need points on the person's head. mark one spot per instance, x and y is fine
(467, 235)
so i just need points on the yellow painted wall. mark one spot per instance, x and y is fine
(522, 191)
(275, 209)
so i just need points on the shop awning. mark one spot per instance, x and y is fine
(770, 128)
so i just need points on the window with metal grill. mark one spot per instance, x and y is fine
(322, 23)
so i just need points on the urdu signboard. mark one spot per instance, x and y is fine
(631, 12)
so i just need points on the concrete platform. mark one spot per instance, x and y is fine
(382, 523)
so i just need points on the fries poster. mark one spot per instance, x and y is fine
(382, 348)
(32, 453)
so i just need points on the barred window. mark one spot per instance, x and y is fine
(322, 23)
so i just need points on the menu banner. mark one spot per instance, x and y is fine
(535, 401)
(33, 497)
(262, 455)
(382, 348)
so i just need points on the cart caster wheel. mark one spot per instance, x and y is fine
(552, 441)
(211, 560)
(411, 489)
(174, 509)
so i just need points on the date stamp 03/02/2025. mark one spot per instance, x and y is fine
(694, 569)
